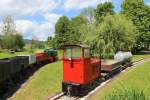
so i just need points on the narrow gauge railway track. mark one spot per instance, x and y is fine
(62, 96)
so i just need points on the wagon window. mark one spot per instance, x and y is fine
(73, 52)
(86, 53)
(76, 52)
(67, 53)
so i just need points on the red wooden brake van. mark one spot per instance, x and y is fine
(41, 57)
(79, 69)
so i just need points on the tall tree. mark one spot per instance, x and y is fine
(19, 43)
(77, 24)
(49, 40)
(113, 34)
(88, 13)
(0, 41)
(139, 13)
(11, 39)
(62, 29)
(116, 29)
(8, 42)
(8, 26)
(102, 10)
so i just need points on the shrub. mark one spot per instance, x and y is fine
(126, 94)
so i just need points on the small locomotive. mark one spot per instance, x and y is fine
(82, 73)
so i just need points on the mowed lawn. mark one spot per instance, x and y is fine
(8, 55)
(44, 83)
(137, 78)
(139, 57)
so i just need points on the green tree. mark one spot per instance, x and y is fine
(19, 43)
(1, 41)
(88, 13)
(51, 42)
(139, 13)
(62, 33)
(102, 10)
(34, 43)
(13, 41)
(8, 26)
(113, 34)
(77, 24)
(11, 38)
(116, 29)
(8, 42)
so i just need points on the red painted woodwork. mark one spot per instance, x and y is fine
(41, 57)
(80, 70)
(51, 59)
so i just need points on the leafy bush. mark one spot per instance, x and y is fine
(126, 94)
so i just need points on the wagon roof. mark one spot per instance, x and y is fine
(78, 45)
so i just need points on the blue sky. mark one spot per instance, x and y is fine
(37, 18)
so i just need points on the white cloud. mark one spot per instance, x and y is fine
(26, 7)
(52, 17)
(31, 29)
(41, 31)
(80, 4)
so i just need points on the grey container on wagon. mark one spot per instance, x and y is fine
(123, 56)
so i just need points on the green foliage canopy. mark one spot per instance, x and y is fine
(62, 28)
(11, 39)
(102, 10)
(113, 34)
(77, 24)
(139, 13)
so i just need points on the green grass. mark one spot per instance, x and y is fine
(139, 57)
(60, 54)
(126, 94)
(137, 78)
(44, 83)
(7, 55)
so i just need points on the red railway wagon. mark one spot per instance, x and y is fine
(41, 57)
(79, 69)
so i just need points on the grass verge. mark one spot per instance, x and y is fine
(44, 83)
(138, 78)
(7, 55)
(140, 56)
